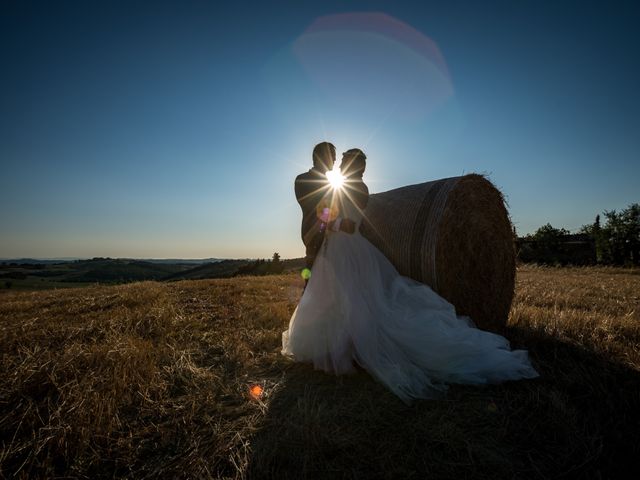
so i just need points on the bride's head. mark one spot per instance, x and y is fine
(353, 163)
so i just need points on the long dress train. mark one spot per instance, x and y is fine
(357, 307)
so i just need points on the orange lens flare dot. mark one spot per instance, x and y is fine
(256, 391)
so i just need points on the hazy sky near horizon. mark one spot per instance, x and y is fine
(176, 129)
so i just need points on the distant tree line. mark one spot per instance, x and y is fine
(616, 242)
(263, 267)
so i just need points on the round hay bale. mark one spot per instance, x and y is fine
(454, 235)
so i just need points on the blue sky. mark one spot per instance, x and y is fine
(176, 129)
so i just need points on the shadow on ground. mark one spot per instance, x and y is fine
(579, 420)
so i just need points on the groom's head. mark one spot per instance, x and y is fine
(324, 156)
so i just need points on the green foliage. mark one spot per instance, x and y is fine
(546, 246)
(618, 241)
(549, 236)
(594, 231)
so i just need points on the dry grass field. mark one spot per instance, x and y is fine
(151, 380)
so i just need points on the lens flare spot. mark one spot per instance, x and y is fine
(375, 64)
(256, 391)
(306, 274)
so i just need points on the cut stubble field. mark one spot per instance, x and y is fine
(152, 380)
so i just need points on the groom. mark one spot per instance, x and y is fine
(313, 189)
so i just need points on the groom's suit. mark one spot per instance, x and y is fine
(311, 188)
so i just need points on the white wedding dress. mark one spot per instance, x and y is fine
(357, 307)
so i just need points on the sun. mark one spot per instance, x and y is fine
(335, 179)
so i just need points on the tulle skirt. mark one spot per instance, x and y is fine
(358, 308)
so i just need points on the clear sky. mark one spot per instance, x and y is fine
(175, 129)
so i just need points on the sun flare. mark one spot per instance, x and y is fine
(335, 179)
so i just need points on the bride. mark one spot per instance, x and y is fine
(358, 308)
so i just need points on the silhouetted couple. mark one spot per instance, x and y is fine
(321, 201)
(356, 307)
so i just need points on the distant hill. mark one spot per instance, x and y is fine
(42, 274)
(220, 269)
(189, 261)
(293, 264)
(119, 270)
(229, 268)
(37, 261)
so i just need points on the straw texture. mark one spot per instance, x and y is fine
(453, 234)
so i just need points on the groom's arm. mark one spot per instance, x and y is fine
(313, 233)
(308, 193)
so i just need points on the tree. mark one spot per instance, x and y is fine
(549, 237)
(276, 265)
(546, 245)
(622, 235)
(618, 241)
(597, 236)
(594, 231)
